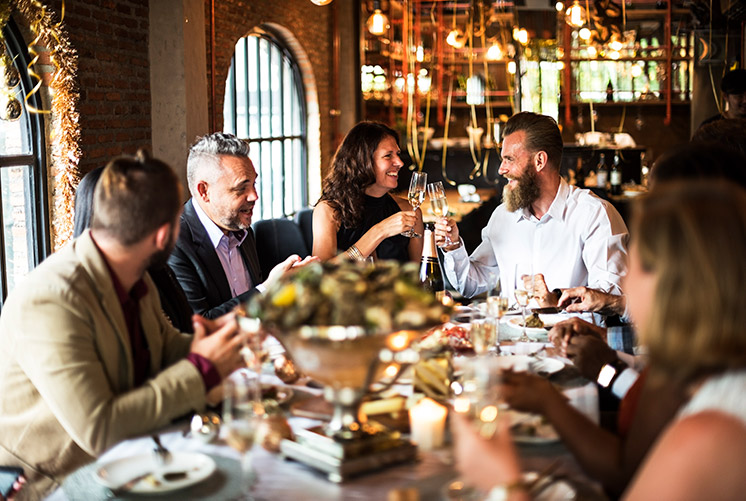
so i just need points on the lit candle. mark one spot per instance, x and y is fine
(427, 421)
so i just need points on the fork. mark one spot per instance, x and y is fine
(162, 455)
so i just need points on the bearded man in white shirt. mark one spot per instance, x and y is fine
(568, 235)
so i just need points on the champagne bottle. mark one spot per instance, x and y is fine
(431, 275)
(616, 176)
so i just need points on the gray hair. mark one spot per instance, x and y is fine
(206, 152)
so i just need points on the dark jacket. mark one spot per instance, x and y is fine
(198, 269)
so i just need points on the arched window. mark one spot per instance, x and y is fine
(24, 238)
(264, 103)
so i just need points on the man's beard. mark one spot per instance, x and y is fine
(524, 193)
(160, 258)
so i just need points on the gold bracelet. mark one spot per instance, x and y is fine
(355, 254)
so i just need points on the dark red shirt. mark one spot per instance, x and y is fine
(139, 344)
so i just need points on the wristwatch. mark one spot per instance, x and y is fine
(609, 372)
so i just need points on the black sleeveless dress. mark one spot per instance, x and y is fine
(376, 210)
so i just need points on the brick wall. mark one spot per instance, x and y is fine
(309, 23)
(111, 37)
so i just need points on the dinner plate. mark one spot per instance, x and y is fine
(528, 428)
(534, 365)
(196, 467)
(549, 321)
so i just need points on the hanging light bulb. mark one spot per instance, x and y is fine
(584, 34)
(575, 15)
(592, 52)
(494, 53)
(377, 23)
(522, 36)
(321, 2)
(456, 39)
(511, 67)
(636, 71)
(559, 6)
(614, 55)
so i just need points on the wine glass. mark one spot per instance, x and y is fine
(254, 351)
(416, 196)
(524, 291)
(241, 416)
(483, 333)
(439, 203)
(497, 304)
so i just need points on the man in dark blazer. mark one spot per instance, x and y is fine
(215, 258)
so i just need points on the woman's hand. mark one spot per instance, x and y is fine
(397, 223)
(528, 392)
(484, 463)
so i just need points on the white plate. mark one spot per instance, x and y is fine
(531, 364)
(542, 432)
(116, 473)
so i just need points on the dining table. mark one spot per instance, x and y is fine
(431, 476)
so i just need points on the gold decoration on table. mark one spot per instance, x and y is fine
(65, 129)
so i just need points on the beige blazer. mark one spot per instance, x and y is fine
(66, 372)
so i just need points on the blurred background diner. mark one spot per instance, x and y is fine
(396, 214)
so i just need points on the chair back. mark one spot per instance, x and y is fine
(276, 239)
(304, 219)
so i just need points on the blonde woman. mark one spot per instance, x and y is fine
(684, 291)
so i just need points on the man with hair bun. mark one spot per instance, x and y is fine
(88, 357)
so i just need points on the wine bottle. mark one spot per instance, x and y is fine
(431, 276)
(616, 177)
(602, 172)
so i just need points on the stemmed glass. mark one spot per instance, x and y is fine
(241, 416)
(497, 304)
(439, 202)
(416, 196)
(254, 351)
(524, 291)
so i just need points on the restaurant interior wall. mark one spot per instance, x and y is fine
(312, 28)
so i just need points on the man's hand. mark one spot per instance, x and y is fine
(589, 354)
(586, 299)
(541, 291)
(446, 226)
(528, 392)
(561, 333)
(222, 346)
(290, 265)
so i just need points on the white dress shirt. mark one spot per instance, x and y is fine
(581, 240)
(229, 254)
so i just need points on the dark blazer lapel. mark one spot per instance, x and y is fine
(251, 258)
(206, 252)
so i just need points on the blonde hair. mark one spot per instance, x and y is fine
(692, 236)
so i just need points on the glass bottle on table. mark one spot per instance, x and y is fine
(431, 275)
(416, 196)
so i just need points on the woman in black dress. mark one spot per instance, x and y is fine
(356, 215)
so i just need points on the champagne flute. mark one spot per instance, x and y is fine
(497, 304)
(241, 416)
(439, 203)
(524, 291)
(254, 351)
(416, 196)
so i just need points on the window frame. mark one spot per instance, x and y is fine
(266, 139)
(35, 160)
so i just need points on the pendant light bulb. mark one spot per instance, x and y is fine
(378, 23)
(321, 2)
(575, 15)
(456, 39)
(494, 53)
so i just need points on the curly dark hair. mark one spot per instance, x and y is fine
(352, 171)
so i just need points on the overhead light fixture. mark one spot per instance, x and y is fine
(377, 23)
(575, 15)
(321, 2)
(559, 6)
(456, 39)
